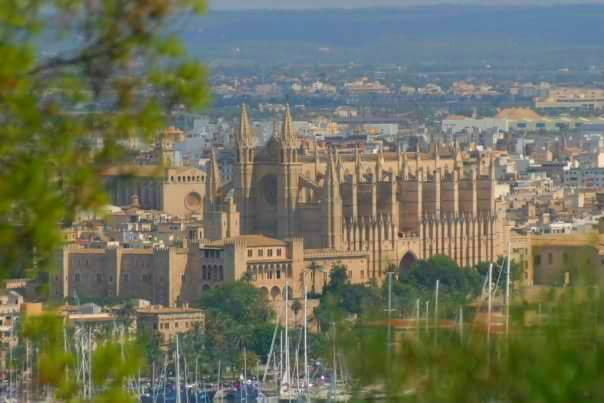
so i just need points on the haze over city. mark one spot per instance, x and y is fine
(306, 4)
(266, 201)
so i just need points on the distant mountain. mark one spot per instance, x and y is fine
(557, 35)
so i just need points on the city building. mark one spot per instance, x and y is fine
(571, 98)
(585, 178)
(516, 119)
(167, 323)
(159, 184)
(393, 207)
(175, 276)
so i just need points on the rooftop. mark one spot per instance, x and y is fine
(144, 170)
(518, 114)
(154, 310)
(253, 241)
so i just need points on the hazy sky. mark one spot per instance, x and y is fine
(294, 4)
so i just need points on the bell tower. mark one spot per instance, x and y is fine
(331, 208)
(288, 174)
(243, 171)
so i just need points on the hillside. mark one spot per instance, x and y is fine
(560, 35)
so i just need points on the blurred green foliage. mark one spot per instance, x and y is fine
(458, 286)
(341, 299)
(553, 352)
(238, 316)
(65, 116)
(112, 363)
(556, 358)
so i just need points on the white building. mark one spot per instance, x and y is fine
(384, 129)
(585, 177)
(458, 124)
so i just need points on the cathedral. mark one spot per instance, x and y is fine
(392, 207)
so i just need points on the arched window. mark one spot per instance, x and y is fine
(275, 292)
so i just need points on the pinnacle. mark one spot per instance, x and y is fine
(244, 134)
(288, 136)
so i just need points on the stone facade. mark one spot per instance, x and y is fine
(174, 276)
(167, 323)
(150, 274)
(178, 191)
(392, 207)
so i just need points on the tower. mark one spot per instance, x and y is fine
(288, 173)
(331, 208)
(213, 181)
(243, 171)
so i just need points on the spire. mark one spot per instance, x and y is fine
(399, 157)
(357, 163)
(417, 159)
(339, 166)
(213, 181)
(405, 167)
(245, 137)
(379, 166)
(479, 173)
(331, 207)
(491, 166)
(288, 137)
(331, 174)
(457, 157)
(436, 157)
(275, 130)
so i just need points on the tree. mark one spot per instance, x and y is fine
(78, 79)
(338, 279)
(557, 360)
(341, 300)
(194, 349)
(238, 315)
(457, 285)
(296, 307)
(124, 71)
(314, 268)
(149, 343)
(499, 269)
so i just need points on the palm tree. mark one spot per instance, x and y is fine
(296, 307)
(313, 267)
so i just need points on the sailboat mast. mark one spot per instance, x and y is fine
(461, 322)
(427, 315)
(177, 372)
(219, 384)
(490, 304)
(244, 364)
(280, 356)
(271, 351)
(287, 369)
(196, 380)
(306, 380)
(417, 316)
(389, 312)
(507, 294)
(335, 364)
(90, 362)
(436, 291)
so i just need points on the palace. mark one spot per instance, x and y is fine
(289, 212)
(392, 207)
